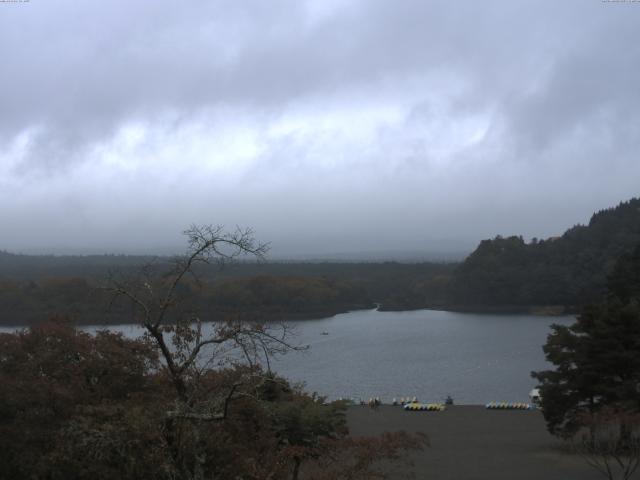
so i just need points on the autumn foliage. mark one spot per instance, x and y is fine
(74, 405)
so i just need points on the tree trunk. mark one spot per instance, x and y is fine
(296, 468)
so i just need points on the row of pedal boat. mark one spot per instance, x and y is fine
(439, 407)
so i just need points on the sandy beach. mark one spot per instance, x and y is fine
(470, 442)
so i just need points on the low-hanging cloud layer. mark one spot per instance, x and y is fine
(327, 126)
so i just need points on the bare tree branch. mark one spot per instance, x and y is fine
(154, 296)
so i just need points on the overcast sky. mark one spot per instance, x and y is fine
(327, 126)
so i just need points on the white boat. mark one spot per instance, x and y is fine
(534, 397)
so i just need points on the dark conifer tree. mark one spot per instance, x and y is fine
(597, 359)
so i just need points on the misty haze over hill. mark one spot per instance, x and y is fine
(443, 254)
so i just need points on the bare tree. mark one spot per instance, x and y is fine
(179, 334)
(189, 347)
(610, 442)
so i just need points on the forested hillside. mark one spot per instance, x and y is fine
(34, 288)
(502, 274)
(570, 270)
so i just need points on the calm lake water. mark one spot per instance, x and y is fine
(429, 354)
(424, 353)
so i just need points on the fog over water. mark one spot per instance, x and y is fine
(330, 127)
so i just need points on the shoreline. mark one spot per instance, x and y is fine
(535, 310)
(472, 443)
(539, 311)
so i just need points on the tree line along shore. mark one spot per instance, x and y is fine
(551, 276)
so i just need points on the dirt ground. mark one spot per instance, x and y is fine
(470, 442)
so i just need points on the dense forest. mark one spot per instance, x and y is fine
(85, 302)
(30, 293)
(596, 360)
(567, 271)
(553, 275)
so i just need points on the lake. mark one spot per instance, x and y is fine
(425, 353)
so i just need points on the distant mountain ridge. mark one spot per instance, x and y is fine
(570, 270)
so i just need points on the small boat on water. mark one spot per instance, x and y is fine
(325, 333)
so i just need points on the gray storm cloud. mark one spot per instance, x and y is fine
(328, 126)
